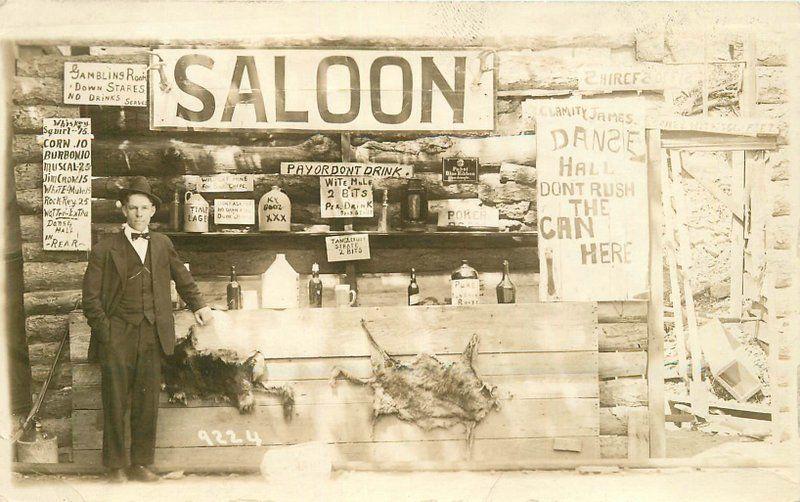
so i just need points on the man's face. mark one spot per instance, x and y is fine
(138, 210)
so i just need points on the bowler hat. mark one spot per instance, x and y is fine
(139, 184)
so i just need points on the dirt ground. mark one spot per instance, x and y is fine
(674, 484)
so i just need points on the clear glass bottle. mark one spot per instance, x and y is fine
(506, 291)
(234, 291)
(383, 219)
(465, 286)
(413, 289)
(315, 288)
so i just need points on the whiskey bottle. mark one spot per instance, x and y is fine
(506, 291)
(413, 289)
(234, 291)
(465, 286)
(315, 288)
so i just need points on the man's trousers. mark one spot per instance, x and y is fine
(131, 373)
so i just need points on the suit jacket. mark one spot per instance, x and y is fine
(104, 282)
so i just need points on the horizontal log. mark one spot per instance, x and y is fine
(38, 91)
(57, 403)
(613, 447)
(52, 302)
(614, 420)
(53, 276)
(30, 118)
(52, 66)
(519, 173)
(248, 458)
(352, 422)
(28, 176)
(43, 352)
(59, 427)
(553, 69)
(622, 364)
(622, 336)
(29, 201)
(33, 252)
(61, 378)
(623, 392)
(427, 153)
(25, 149)
(30, 226)
(46, 328)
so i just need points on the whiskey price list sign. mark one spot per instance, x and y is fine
(592, 207)
(66, 184)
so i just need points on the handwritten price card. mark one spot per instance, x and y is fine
(347, 247)
(345, 197)
(234, 212)
(105, 84)
(66, 184)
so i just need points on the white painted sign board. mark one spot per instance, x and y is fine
(592, 207)
(347, 169)
(226, 182)
(234, 212)
(347, 247)
(345, 196)
(106, 84)
(66, 184)
(325, 89)
(464, 213)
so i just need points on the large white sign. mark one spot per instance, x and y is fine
(324, 89)
(105, 84)
(592, 207)
(347, 169)
(67, 184)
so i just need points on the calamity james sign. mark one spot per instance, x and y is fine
(324, 90)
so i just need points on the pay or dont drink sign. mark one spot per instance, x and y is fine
(66, 184)
(592, 207)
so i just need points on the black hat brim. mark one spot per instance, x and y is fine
(123, 194)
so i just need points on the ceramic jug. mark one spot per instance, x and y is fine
(195, 213)
(274, 211)
(280, 285)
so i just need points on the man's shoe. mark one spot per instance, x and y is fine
(116, 476)
(142, 473)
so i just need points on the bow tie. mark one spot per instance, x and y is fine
(145, 236)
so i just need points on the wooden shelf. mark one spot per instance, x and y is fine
(400, 239)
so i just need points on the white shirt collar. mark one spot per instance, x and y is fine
(127, 229)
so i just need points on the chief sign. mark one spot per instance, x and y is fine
(324, 90)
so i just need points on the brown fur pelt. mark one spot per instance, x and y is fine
(190, 374)
(427, 392)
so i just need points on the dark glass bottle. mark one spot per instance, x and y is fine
(414, 206)
(175, 212)
(506, 291)
(315, 288)
(413, 289)
(234, 291)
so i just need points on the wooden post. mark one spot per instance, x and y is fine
(638, 441)
(696, 390)
(737, 234)
(655, 305)
(350, 266)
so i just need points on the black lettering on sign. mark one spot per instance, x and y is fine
(375, 90)
(453, 95)
(322, 90)
(281, 113)
(201, 93)
(237, 97)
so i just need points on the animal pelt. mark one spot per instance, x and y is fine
(191, 374)
(427, 392)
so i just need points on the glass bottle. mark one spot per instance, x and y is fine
(506, 291)
(413, 289)
(315, 288)
(465, 286)
(414, 206)
(383, 220)
(234, 291)
(175, 212)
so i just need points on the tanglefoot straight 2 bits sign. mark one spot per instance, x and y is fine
(310, 89)
(592, 207)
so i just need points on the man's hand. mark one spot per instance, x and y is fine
(204, 316)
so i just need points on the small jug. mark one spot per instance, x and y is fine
(195, 213)
(274, 211)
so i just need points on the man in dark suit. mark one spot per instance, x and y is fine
(126, 299)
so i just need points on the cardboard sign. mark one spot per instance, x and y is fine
(345, 197)
(347, 247)
(622, 78)
(225, 182)
(459, 170)
(325, 89)
(741, 126)
(234, 212)
(465, 291)
(107, 84)
(464, 214)
(347, 169)
(592, 207)
(66, 184)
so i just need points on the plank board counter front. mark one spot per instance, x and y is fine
(543, 358)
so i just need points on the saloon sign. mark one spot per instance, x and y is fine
(324, 90)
